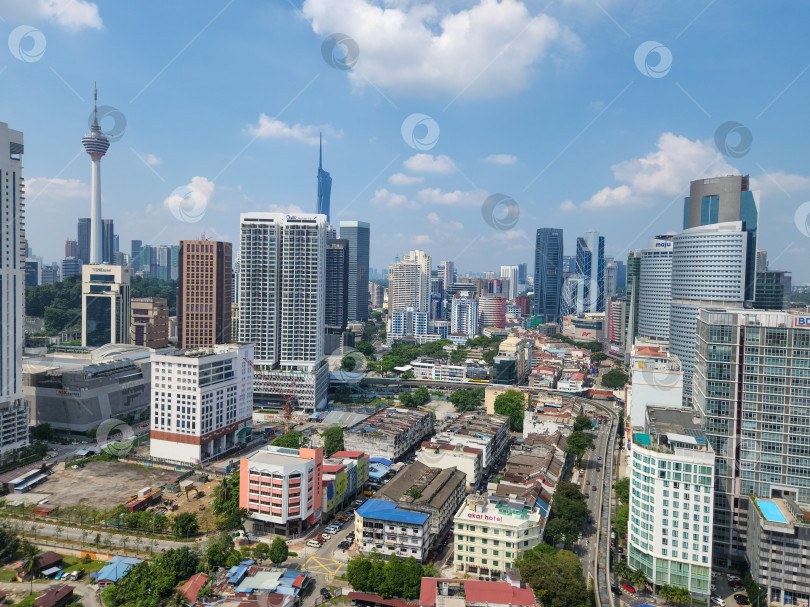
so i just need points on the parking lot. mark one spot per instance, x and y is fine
(101, 484)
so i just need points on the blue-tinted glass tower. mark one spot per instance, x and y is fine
(324, 186)
(548, 274)
(591, 267)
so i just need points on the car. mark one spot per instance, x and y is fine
(620, 550)
(84, 442)
(314, 544)
(716, 600)
(59, 575)
(587, 482)
(735, 584)
(741, 599)
(74, 467)
(599, 459)
(320, 539)
(326, 594)
(731, 576)
(593, 488)
(628, 587)
(616, 590)
(326, 536)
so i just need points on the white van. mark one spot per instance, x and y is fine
(314, 544)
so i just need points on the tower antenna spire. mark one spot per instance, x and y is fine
(320, 150)
(95, 104)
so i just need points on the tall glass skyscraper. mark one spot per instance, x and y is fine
(548, 273)
(591, 266)
(83, 235)
(324, 187)
(358, 233)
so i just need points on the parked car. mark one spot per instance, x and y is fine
(628, 587)
(741, 599)
(326, 536)
(326, 594)
(314, 544)
(716, 600)
(587, 482)
(59, 575)
(599, 459)
(616, 590)
(593, 488)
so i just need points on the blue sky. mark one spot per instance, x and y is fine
(545, 103)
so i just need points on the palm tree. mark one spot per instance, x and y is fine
(138, 542)
(32, 564)
(682, 595)
(622, 569)
(179, 600)
(85, 533)
(639, 578)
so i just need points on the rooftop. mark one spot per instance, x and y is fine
(474, 592)
(387, 511)
(434, 485)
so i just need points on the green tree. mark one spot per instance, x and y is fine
(233, 558)
(291, 439)
(466, 399)
(332, 440)
(622, 489)
(406, 399)
(347, 363)
(179, 600)
(408, 375)
(555, 576)
(9, 543)
(489, 356)
(615, 379)
(582, 422)
(621, 518)
(365, 347)
(185, 524)
(358, 572)
(31, 562)
(278, 551)
(579, 442)
(598, 357)
(218, 549)
(510, 403)
(261, 552)
(639, 578)
(420, 396)
(560, 530)
(181, 563)
(622, 569)
(42, 432)
(569, 504)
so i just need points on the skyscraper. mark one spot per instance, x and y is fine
(324, 185)
(655, 288)
(447, 272)
(204, 293)
(591, 266)
(282, 286)
(96, 146)
(611, 274)
(71, 266)
(523, 273)
(71, 248)
(83, 238)
(464, 314)
(511, 274)
(164, 262)
(409, 282)
(135, 255)
(337, 291)
(13, 408)
(107, 240)
(548, 274)
(633, 289)
(105, 305)
(358, 234)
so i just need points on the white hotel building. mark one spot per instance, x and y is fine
(202, 402)
(672, 501)
(655, 288)
(491, 532)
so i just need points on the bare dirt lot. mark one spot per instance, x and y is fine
(102, 484)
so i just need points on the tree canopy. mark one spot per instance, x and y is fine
(466, 399)
(278, 551)
(226, 503)
(291, 440)
(579, 442)
(395, 578)
(555, 576)
(615, 379)
(511, 404)
(332, 440)
(149, 584)
(582, 422)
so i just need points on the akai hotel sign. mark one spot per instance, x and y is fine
(485, 517)
(801, 322)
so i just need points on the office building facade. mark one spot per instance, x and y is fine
(71, 266)
(510, 273)
(150, 322)
(358, 233)
(655, 288)
(204, 293)
(83, 238)
(337, 285)
(632, 295)
(13, 408)
(591, 267)
(105, 305)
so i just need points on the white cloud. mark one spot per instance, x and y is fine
(777, 183)
(72, 14)
(152, 160)
(403, 179)
(662, 173)
(270, 128)
(384, 198)
(567, 205)
(189, 203)
(486, 50)
(421, 239)
(428, 163)
(285, 208)
(54, 188)
(458, 198)
(501, 159)
(433, 218)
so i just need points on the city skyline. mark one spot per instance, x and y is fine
(420, 192)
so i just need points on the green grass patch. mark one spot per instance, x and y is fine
(72, 563)
(7, 575)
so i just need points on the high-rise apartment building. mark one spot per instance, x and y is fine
(71, 248)
(751, 385)
(491, 311)
(13, 408)
(174, 269)
(408, 322)
(282, 287)
(591, 267)
(523, 273)
(655, 288)
(409, 282)
(549, 267)
(773, 288)
(150, 322)
(202, 402)
(510, 273)
(204, 293)
(105, 305)
(616, 313)
(148, 261)
(358, 233)
(164, 262)
(708, 270)
(611, 276)
(464, 314)
(83, 238)
(336, 312)
(377, 294)
(632, 294)
(447, 272)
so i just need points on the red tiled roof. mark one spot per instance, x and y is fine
(193, 586)
(497, 593)
(53, 595)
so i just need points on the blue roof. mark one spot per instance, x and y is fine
(117, 567)
(236, 574)
(381, 460)
(377, 471)
(386, 511)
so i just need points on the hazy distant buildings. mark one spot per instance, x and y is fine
(135, 255)
(204, 293)
(71, 266)
(358, 234)
(510, 273)
(13, 408)
(549, 267)
(71, 248)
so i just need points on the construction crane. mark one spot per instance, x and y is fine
(287, 397)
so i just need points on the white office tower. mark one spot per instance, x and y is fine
(708, 270)
(13, 409)
(447, 272)
(655, 288)
(202, 402)
(106, 305)
(672, 501)
(511, 274)
(282, 284)
(464, 314)
(409, 282)
(611, 276)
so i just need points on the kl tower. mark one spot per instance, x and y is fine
(96, 145)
